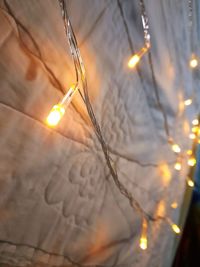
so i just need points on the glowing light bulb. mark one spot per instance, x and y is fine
(174, 205)
(188, 102)
(195, 122)
(55, 115)
(176, 148)
(175, 228)
(193, 62)
(192, 136)
(190, 182)
(189, 152)
(143, 243)
(177, 166)
(195, 129)
(143, 238)
(192, 161)
(133, 61)
(58, 110)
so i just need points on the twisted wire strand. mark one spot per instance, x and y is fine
(80, 69)
(155, 85)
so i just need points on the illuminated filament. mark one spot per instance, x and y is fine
(190, 182)
(176, 148)
(58, 111)
(188, 102)
(133, 61)
(143, 238)
(191, 161)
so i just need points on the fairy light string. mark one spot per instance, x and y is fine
(82, 81)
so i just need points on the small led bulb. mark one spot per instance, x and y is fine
(174, 205)
(192, 136)
(55, 115)
(193, 62)
(190, 182)
(175, 228)
(143, 238)
(195, 122)
(177, 166)
(195, 129)
(58, 110)
(188, 102)
(133, 61)
(191, 161)
(189, 152)
(143, 243)
(176, 148)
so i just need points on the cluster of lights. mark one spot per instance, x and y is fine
(58, 111)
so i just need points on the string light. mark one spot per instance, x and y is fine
(174, 205)
(192, 136)
(188, 102)
(177, 166)
(195, 129)
(190, 182)
(143, 238)
(189, 152)
(195, 122)
(134, 60)
(193, 62)
(191, 161)
(58, 111)
(176, 148)
(175, 228)
(55, 115)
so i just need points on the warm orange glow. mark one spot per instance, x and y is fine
(165, 173)
(195, 129)
(191, 161)
(175, 228)
(133, 61)
(143, 243)
(143, 238)
(55, 115)
(195, 122)
(192, 136)
(176, 148)
(177, 166)
(188, 102)
(161, 208)
(174, 205)
(193, 63)
(189, 152)
(190, 182)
